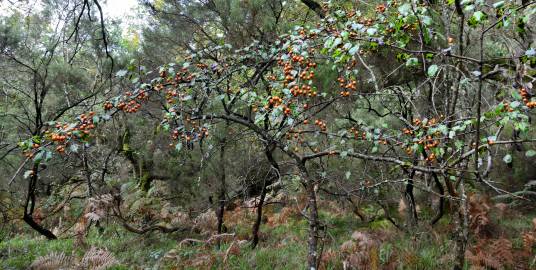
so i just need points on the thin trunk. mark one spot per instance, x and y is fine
(258, 220)
(87, 172)
(255, 231)
(40, 229)
(412, 207)
(221, 196)
(312, 254)
(314, 6)
(312, 258)
(30, 206)
(441, 205)
(463, 231)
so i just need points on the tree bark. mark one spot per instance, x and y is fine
(312, 242)
(441, 205)
(462, 236)
(255, 231)
(258, 219)
(314, 6)
(413, 218)
(29, 207)
(312, 258)
(40, 229)
(221, 196)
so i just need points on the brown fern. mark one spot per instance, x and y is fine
(491, 254)
(52, 261)
(361, 252)
(97, 259)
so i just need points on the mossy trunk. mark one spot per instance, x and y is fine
(141, 169)
(312, 217)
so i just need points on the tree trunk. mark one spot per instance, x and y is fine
(462, 235)
(255, 231)
(40, 229)
(258, 220)
(221, 196)
(312, 258)
(441, 206)
(312, 242)
(30, 206)
(314, 6)
(413, 218)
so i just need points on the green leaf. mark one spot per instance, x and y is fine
(354, 50)
(121, 73)
(427, 20)
(404, 9)
(259, 117)
(178, 147)
(411, 62)
(38, 157)
(337, 42)
(477, 18)
(498, 4)
(507, 159)
(480, 16)
(48, 155)
(372, 31)
(432, 70)
(74, 148)
(530, 153)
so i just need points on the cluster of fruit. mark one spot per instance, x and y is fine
(380, 8)
(358, 135)
(171, 95)
(183, 76)
(29, 153)
(65, 131)
(428, 142)
(189, 136)
(275, 102)
(195, 131)
(108, 106)
(526, 98)
(305, 90)
(289, 72)
(129, 107)
(321, 124)
(350, 85)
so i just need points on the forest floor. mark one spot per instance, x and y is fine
(500, 243)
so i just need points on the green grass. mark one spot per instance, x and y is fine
(20, 251)
(282, 247)
(128, 248)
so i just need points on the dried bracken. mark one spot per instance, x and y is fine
(206, 222)
(52, 261)
(361, 252)
(478, 214)
(529, 239)
(494, 254)
(93, 259)
(97, 259)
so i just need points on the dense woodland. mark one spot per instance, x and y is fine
(276, 134)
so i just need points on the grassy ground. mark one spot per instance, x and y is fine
(283, 246)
